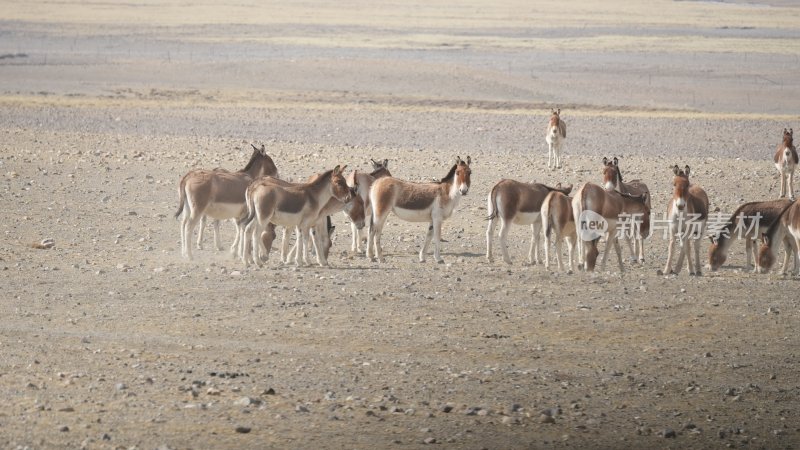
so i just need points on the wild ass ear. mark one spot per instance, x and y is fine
(686, 170)
(341, 169)
(385, 163)
(764, 239)
(263, 150)
(558, 112)
(469, 160)
(254, 146)
(336, 170)
(616, 161)
(676, 169)
(605, 161)
(712, 239)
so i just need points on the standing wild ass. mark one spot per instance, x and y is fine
(431, 202)
(786, 161)
(555, 137)
(687, 213)
(635, 188)
(748, 222)
(520, 203)
(364, 182)
(557, 217)
(323, 229)
(786, 228)
(292, 207)
(218, 194)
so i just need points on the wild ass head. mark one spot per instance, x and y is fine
(339, 187)
(462, 174)
(260, 164)
(611, 174)
(788, 137)
(680, 187)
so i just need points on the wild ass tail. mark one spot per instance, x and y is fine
(251, 210)
(492, 204)
(181, 196)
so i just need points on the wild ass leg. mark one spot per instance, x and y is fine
(355, 245)
(783, 183)
(426, 244)
(201, 233)
(549, 155)
(558, 146)
(437, 240)
(217, 243)
(536, 234)
(547, 250)
(505, 225)
(320, 242)
(374, 249)
(571, 241)
(189, 223)
(749, 252)
(670, 250)
(789, 183)
(489, 236)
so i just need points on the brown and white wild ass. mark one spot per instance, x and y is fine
(597, 211)
(635, 188)
(354, 210)
(786, 161)
(431, 202)
(292, 207)
(786, 229)
(555, 137)
(520, 203)
(687, 215)
(748, 223)
(218, 194)
(557, 217)
(364, 182)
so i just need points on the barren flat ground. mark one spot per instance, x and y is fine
(110, 339)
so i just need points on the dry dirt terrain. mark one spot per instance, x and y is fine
(110, 339)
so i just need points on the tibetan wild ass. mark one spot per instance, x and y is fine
(785, 227)
(634, 188)
(557, 217)
(748, 223)
(520, 203)
(687, 214)
(292, 207)
(555, 137)
(218, 194)
(786, 161)
(364, 182)
(431, 202)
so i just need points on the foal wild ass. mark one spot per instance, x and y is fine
(520, 203)
(634, 188)
(292, 207)
(557, 217)
(364, 182)
(218, 194)
(687, 213)
(786, 229)
(431, 202)
(786, 161)
(748, 222)
(555, 137)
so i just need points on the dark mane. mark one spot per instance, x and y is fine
(450, 175)
(253, 158)
(380, 171)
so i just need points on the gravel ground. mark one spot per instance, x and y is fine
(111, 340)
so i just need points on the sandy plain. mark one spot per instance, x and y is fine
(111, 340)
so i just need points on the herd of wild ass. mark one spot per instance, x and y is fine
(257, 200)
